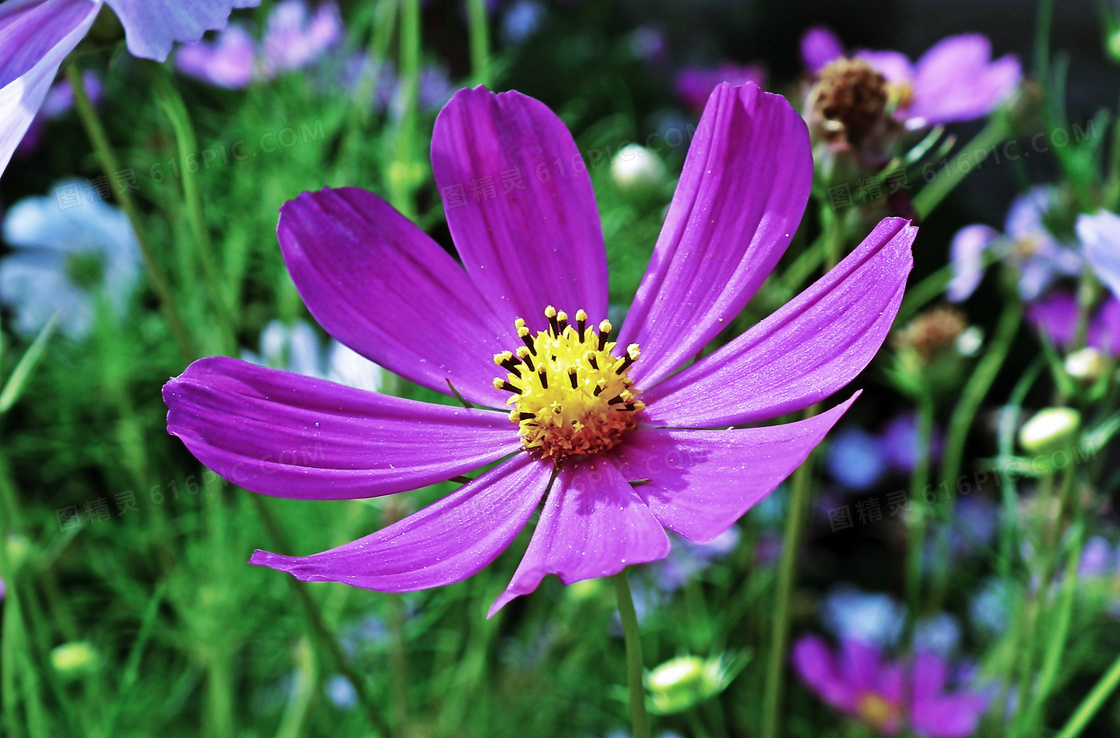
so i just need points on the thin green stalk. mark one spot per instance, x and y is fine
(480, 41)
(915, 550)
(398, 661)
(934, 192)
(787, 573)
(1008, 422)
(1092, 702)
(323, 632)
(404, 171)
(973, 394)
(634, 668)
(1059, 633)
(186, 140)
(109, 167)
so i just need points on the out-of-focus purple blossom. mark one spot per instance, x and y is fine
(856, 459)
(434, 86)
(648, 44)
(58, 102)
(873, 619)
(228, 61)
(1026, 243)
(1100, 238)
(695, 84)
(859, 683)
(1099, 559)
(955, 80)
(1057, 315)
(64, 258)
(297, 349)
(341, 692)
(687, 559)
(523, 19)
(294, 38)
(899, 441)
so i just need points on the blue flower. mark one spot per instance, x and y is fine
(297, 349)
(856, 459)
(63, 258)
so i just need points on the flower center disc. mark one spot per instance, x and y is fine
(571, 395)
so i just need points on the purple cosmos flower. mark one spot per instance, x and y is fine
(955, 80)
(613, 438)
(858, 683)
(695, 84)
(1026, 242)
(1057, 316)
(36, 35)
(1100, 239)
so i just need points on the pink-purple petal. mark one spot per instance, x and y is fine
(698, 483)
(695, 84)
(739, 200)
(893, 65)
(152, 26)
(520, 206)
(814, 663)
(957, 80)
(949, 716)
(381, 286)
(593, 525)
(446, 542)
(35, 37)
(819, 46)
(813, 346)
(287, 435)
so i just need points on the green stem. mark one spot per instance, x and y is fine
(1092, 702)
(404, 171)
(318, 624)
(915, 551)
(187, 142)
(787, 572)
(634, 669)
(934, 192)
(480, 41)
(109, 167)
(960, 423)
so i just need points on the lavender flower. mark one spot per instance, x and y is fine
(1026, 243)
(856, 459)
(955, 80)
(62, 260)
(1100, 239)
(589, 415)
(1058, 314)
(229, 61)
(36, 35)
(881, 695)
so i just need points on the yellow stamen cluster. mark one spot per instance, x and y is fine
(570, 395)
(877, 712)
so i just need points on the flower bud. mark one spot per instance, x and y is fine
(680, 683)
(636, 170)
(1050, 429)
(75, 659)
(1086, 365)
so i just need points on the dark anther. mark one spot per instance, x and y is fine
(572, 377)
(510, 388)
(544, 377)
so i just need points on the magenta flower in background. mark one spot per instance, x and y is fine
(617, 442)
(858, 683)
(1026, 243)
(1057, 316)
(695, 84)
(36, 35)
(955, 80)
